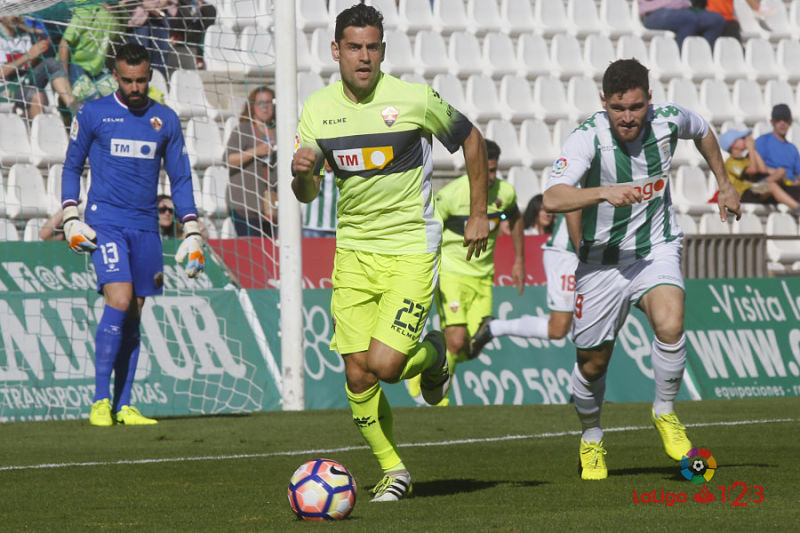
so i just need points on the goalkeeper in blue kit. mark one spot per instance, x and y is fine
(126, 135)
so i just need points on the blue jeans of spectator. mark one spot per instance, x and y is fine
(154, 35)
(686, 22)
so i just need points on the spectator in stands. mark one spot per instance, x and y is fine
(269, 225)
(681, 17)
(319, 216)
(251, 159)
(188, 21)
(754, 181)
(53, 228)
(83, 47)
(776, 150)
(169, 227)
(25, 72)
(725, 8)
(536, 220)
(148, 26)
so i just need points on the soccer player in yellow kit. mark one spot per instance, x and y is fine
(375, 131)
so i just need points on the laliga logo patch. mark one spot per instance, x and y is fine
(454, 306)
(156, 123)
(296, 143)
(389, 116)
(73, 129)
(560, 164)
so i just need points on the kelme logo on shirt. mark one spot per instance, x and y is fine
(363, 158)
(389, 115)
(132, 148)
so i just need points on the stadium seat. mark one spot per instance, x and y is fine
(561, 130)
(526, 184)
(399, 57)
(414, 16)
(221, 49)
(777, 19)
(26, 189)
(697, 59)
(227, 229)
(388, 8)
(258, 51)
(516, 100)
(159, 81)
(715, 100)
(683, 92)
(8, 231)
(302, 52)
(536, 143)
(311, 14)
(566, 56)
(729, 59)
(787, 54)
(638, 28)
(197, 189)
(782, 251)
(686, 223)
(584, 95)
(749, 224)
(53, 188)
(533, 57)
(498, 54)
(481, 97)
(410, 77)
(187, 96)
(215, 192)
(761, 127)
(710, 224)
(794, 17)
(504, 134)
(598, 53)
(747, 20)
(777, 92)
(307, 83)
(238, 14)
(550, 99)
(483, 17)
(517, 17)
(444, 160)
(583, 17)
(14, 144)
(449, 16)
(665, 58)
(31, 231)
(203, 143)
(659, 95)
(48, 140)
(320, 56)
(759, 60)
(690, 192)
(464, 55)
(617, 20)
(550, 18)
(449, 87)
(748, 99)
(430, 54)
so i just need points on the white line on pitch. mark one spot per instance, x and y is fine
(323, 451)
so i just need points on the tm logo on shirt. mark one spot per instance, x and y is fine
(132, 148)
(363, 158)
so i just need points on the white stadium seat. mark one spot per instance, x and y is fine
(215, 192)
(551, 99)
(430, 54)
(782, 251)
(584, 95)
(665, 58)
(449, 87)
(517, 17)
(221, 49)
(516, 100)
(26, 189)
(710, 224)
(227, 229)
(598, 53)
(748, 21)
(49, 140)
(550, 17)
(697, 59)
(729, 59)
(187, 96)
(690, 191)
(258, 51)
(449, 16)
(505, 135)
(311, 14)
(320, 52)
(414, 16)
(788, 57)
(683, 92)
(239, 14)
(482, 99)
(388, 8)
(583, 17)
(715, 99)
(536, 143)
(657, 90)
(203, 143)
(750, 223)
(759, 60)
(616, 17)
(8, 231)
(464, 54)
(442, 159)
(533, 56)
(14, 144)
(32, 227)
(566, 56)
(159, 81)
(307, 83)
(777, 19)
(399, 57)
(526, 184)
(687, 223)
(498, 54)
(483, 17)
(53, 188)
(747, 97)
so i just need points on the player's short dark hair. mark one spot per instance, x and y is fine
(132, 54)
(623, 75)
(492, 150)
(360, 16)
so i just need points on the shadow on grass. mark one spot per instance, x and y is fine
(459, 486)
(674, 472)
(197, 417)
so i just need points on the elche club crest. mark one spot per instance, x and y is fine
(156, 123)
(390, 115)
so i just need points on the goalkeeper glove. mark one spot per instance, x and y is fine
(80, 236)
(192, 246)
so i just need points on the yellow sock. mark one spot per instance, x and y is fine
(372, 415)
(421, 357)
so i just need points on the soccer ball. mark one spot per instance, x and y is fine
(322, 489)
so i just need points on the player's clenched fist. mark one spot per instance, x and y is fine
(622, 195)
(304, 161)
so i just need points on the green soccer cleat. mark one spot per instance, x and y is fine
(592, 460)
(435, 380)
(393, 487)
(130, 416)
(481, 338)
(101, 413)
(673, 433)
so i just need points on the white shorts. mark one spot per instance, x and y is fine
(559, 267)
(604, 294)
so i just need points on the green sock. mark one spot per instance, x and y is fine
(372, 415)
(421, 357)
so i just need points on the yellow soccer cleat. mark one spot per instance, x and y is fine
(414, 389)
(130, 416)
(101, 413)
(673, 433)
(592, 460)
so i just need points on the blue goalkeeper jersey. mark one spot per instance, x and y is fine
(125, 149)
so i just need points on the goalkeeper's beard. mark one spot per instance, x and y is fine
(139, 102)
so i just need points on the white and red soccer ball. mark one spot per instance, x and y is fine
(322, 489)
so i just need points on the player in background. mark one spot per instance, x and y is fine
(559, 260)
(126, 135)
(375, 131)
(615, 169)
(464, 295)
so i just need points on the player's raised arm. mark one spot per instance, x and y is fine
(728, 199)
(476, 232)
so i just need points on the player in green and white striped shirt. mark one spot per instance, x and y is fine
(615, 169)
(319, 216)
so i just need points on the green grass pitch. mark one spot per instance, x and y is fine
(500, 468)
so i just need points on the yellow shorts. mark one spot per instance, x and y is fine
(463, 300)
(386, 297)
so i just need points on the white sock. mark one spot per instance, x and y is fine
(588, 397)
(669, 361)
(525, 326)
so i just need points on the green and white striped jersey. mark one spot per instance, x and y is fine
(320, 214)
(559, 240)
(593, 157)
